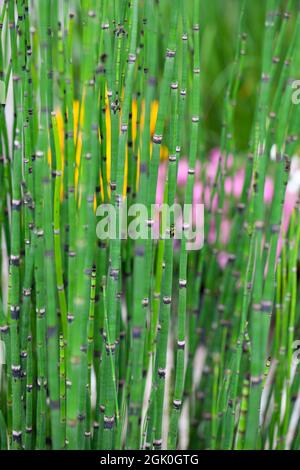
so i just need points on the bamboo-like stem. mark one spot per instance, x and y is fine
(182, 304)
(121, 340)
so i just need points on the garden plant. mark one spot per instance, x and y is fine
(149, 342)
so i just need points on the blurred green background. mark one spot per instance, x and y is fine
(219, 34)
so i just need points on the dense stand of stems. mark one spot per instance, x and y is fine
(108, 339)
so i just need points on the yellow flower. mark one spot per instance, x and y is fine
(153, 116)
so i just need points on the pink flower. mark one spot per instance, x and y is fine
(207, 199)
(212, 166)
(197, 196)
(288, 207)
(269, 190)
(182, 174)
(197, 169)
(228, 185)
(161, 183)
(290, 201)
(197, 192)
(238, 183)
(223, 259)
(212, 232)
(225, 231)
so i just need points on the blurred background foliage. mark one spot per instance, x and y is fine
(219, 30)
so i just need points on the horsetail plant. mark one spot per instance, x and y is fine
(118, 330)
